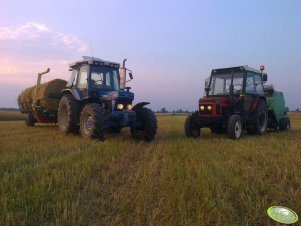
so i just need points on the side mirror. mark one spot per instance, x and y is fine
(131, 75)
(207, 89)
(264, 77)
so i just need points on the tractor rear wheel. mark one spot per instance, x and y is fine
(284, 124)
(67, 114)
(259, 119)
(92, 121)
(149, 125)
(192, 129)
(29, 120)
(234, 127)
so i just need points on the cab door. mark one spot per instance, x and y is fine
(82, 82)
(250, 91)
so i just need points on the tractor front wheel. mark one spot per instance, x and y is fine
(67, 114)
(29, 120)
(149, 125)
(234, 128)
(192, 129)
(92, 121)
(284, 124)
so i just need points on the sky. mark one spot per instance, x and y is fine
(171, 46)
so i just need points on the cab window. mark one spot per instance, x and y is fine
(250, 84)
(259, 85)
(83, 73)
(73, 78)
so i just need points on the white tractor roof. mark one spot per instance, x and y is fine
(92, 60)
(247, 68)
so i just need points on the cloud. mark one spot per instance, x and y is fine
(27, 31)
(33, 31)
(73, 42)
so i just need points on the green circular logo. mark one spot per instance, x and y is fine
(282, 214)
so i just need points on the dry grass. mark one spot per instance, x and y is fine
(11, 116)
(47, 178)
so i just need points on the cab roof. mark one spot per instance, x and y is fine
(235, 69)
(94, 60)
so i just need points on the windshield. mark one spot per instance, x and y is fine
(220, 83)
(103, 77)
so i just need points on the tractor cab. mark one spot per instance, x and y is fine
(94, 78)
(236, 81)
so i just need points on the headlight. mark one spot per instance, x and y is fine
(130, 107)
(202, 108)
(209, 108)
(119, 106)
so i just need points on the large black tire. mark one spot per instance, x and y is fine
(149, 125)
(234, 127)
(284, 124)
(259, 119)
(192, 129)
(29, 120)
(67, 114)
(92, 121)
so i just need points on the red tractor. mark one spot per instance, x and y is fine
(234, 101)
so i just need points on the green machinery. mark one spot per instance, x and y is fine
(277, 111)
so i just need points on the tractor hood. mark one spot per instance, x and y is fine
(121, 95)
(212, 106)
(125, 96)
(217, 100)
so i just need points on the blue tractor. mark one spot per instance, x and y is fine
(96, 100)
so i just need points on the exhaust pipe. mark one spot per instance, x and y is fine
(122, 73)
(39, 84)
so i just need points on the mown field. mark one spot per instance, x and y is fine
(47, 178)
(11, 116)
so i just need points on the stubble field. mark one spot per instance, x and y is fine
(48, 178)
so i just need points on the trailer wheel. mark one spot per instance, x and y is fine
(191, 127)
(92, 121)
(234, 128)
(29, 120)
(284, 124)
(67, 114)
(149, 125)
(259, 120)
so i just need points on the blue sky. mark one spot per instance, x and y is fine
(171, 46)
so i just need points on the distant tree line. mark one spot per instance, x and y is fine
(164, 110)
(297, 109)
(9, 109)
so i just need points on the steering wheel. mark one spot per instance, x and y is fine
(98, 82)
(237, 91)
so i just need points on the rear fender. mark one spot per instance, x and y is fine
(140, 105)
(254, 104)
(73, 92)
